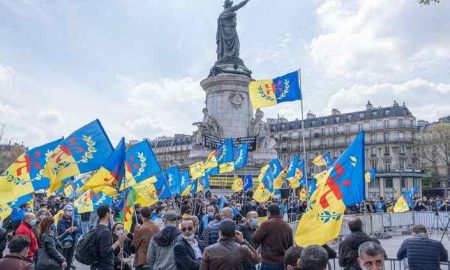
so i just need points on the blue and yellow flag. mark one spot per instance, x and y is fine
(264, 190)
(409, 195)
(275, 167)
(108, 178)
(185, 183)
(140, 165)
(89, 201)
(84, 150)
(5, 211)
(264, 93)
(248, 182)
(162, 187)
(296, 172)
(346, 179)
(323, 220)
(211, 161)
(323, 160)
(279, 180)
(197, 170)
(225, 156)
(237, 185)
(26, 174)
(173, 178)
(240, 156)
(204, 181)
(370, 175)
(401, 205)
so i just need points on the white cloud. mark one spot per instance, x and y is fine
(380, 40)
(426, 100)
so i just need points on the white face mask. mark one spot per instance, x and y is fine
(189, 237)
(120, 232)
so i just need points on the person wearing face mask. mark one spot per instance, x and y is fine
(16, 258)
(188, 250)
(206, 219)
(124, 251)
(49, 245)
(66, 222)
(26, 229)
(248, 228)
(157, 216)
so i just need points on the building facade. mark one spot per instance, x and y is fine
(390, 144)
(433, 140)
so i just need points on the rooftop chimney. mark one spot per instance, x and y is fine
(335, 112)
(310, 115)
(369, 106)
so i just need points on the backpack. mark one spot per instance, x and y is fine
(86, 251)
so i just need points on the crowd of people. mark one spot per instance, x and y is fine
(199, 232)
(386, 205)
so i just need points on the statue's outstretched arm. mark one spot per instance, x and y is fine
(238, 6)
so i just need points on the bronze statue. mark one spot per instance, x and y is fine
(227, 38)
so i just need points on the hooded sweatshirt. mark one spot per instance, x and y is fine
(160, 250)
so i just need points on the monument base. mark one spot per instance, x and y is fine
(261, 157)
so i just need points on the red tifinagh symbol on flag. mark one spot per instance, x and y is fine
(334, 188)
(26, 165)
(62, 150)
(73, 142)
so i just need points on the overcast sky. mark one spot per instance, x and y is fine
(136, 65)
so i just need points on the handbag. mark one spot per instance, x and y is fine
(45, 262)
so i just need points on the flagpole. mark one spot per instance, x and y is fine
(303, 136)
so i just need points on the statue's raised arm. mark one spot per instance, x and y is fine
(238, 6)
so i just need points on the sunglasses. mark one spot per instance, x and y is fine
(183, 229)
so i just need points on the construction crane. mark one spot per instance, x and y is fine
(2, 131)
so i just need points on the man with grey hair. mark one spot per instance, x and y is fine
(211, 234)
(314, 258)
(371, 256)
(422, 252)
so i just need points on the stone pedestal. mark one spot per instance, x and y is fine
(262, 157)
(228, 102)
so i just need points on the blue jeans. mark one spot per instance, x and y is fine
(265, 266)
(84, 227)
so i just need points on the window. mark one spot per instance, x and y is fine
(313, 123)
(325, 121)
(388, 183)
(334, 130)
(386, 137)
(349, 117)
(323, 131)
(374, 184)
(337, 119)
(373, 164)
(402, 149)
(387, 166)
(374, 151)
(374, 126)
(400, 122)
(347, 129)
(361, 115)
(386, 150)
(387, 112)
(404, 183)
(374, 114)
(386, 123)
(402, 164)
(360, 126)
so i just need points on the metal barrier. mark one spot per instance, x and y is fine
(394, 223)
(389, 264)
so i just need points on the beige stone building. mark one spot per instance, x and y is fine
(390, 144)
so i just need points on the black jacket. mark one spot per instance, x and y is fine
(184, 255)
(348, 249)
(3, 240)
(52, 246)
(422, 253)
(103, 244)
